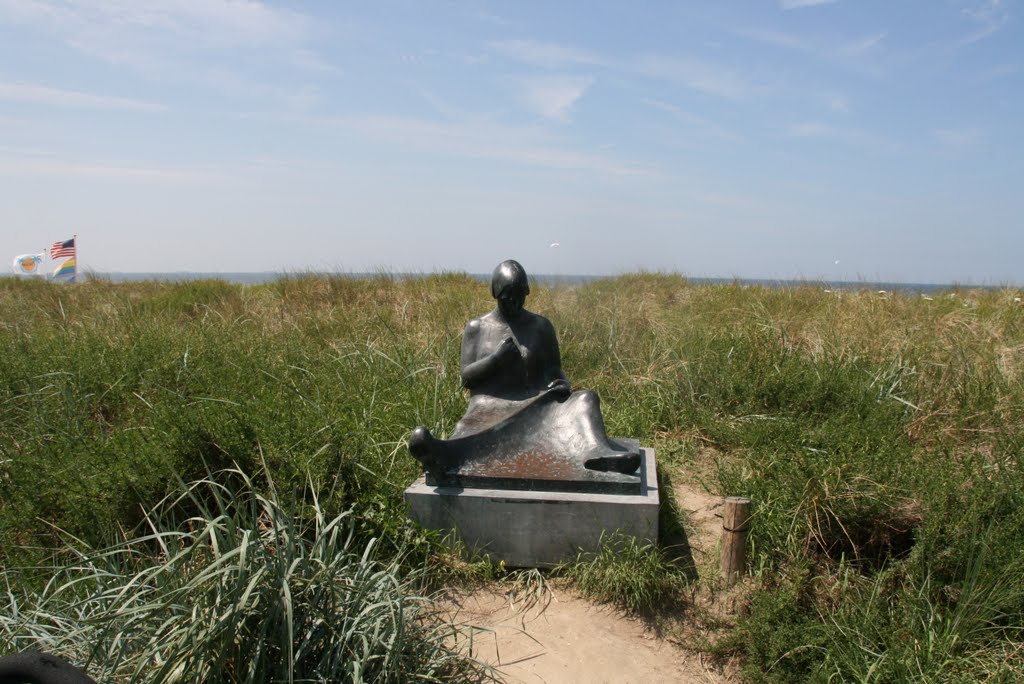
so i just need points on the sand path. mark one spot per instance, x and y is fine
(570, 639)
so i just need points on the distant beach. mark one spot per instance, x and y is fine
(255, 278)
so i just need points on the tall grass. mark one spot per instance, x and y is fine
(878, 435)
(633, 574)
(226, 586)
(107, 391)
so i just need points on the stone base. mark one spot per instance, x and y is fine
(537, 528)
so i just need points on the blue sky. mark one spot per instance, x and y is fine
(786, 138)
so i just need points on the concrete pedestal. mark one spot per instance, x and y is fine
(537, 528)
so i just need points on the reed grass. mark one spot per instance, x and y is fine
(224, 585)
(880, 436)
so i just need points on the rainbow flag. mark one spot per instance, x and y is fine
(66, 271)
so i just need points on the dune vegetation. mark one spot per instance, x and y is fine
(181, 463)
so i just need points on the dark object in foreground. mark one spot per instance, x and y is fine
(524, 428)
(36, 667)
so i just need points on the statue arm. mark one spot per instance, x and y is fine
(557, 379)
(476, 364)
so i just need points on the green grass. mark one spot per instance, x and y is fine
(879, 436)
(224, 585)
(634, 575)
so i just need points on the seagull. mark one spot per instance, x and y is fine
(554, 244)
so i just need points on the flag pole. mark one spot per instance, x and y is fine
(75, 277)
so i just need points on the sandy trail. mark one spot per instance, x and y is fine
(704, 528)
(571, 639)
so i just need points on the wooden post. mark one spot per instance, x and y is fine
(735, 517)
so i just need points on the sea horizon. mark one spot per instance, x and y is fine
(260, 277)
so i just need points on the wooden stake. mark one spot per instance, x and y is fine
(735, 517)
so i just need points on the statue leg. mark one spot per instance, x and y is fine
(431, 452)
(441, 455)
(604, 455)
(578, 426)
(626, 462)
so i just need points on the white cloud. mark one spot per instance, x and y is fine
(837, 102)
(797, 4)
(554, 96)
(478, 139)
(987, 11)
(774, 37)
(855, 54)
(840, 134)
(699, 75)
(173, 42)
(542, 54)
(702, 75)
(959, 137)
(168, 39)
(1000, 71)
(860, 46)
(704, 126)
(37, 94)
(721, 199)
(219, 22)
(20, 165)
(302, 99)
(310, 61)
(989, 16)
(489, 18)
(810, 129)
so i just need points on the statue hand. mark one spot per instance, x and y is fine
(508, 348)
(560, 387)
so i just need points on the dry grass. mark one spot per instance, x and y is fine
(866, 427)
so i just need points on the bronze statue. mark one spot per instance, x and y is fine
(521, 406)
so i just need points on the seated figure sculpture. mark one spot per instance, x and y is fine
(520, 399)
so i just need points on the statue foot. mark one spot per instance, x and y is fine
(420, 442)
(619, 463)
(436, 455)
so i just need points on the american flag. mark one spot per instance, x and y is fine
(59, 250)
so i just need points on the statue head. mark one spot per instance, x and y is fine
(509, 275)
(510, 285)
